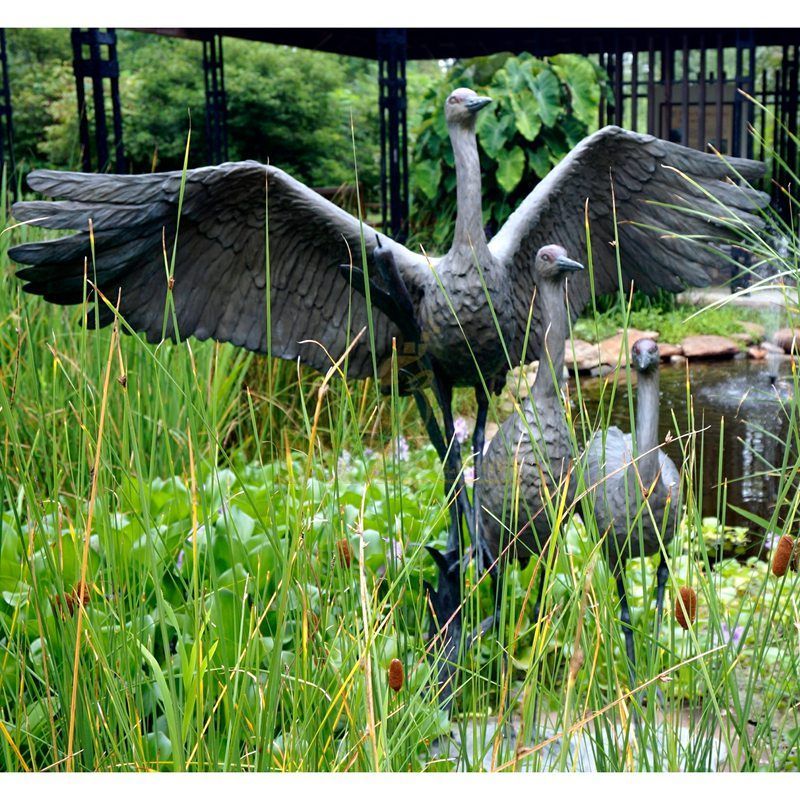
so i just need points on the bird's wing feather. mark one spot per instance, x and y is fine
(669, 472)
(220, 268)
(643, 170)
(606, 453)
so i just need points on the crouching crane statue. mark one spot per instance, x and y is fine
(239, 226)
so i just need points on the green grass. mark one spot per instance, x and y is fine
(253, 549)
(674, 324)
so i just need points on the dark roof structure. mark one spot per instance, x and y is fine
(441, 43)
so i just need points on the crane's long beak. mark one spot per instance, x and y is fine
(477, 103)
(568, 265)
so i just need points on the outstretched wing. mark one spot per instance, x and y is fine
(228, 214)
(651, 259)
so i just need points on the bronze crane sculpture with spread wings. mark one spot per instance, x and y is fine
(471, 306)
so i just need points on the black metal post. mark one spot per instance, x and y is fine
(667, 76)
(685, 93)
(619, 95)
(635, 88)
(720, 92)
(391, 44)
(602, 110)
(792, 109)
(98, 69)
(216, 100)
(701, 116)
(736, 149)
(6, 125)
(652, 127)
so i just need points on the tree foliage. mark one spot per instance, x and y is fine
(291, 107)
(542, 108)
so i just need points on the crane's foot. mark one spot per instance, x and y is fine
(444, 631)
(485, 627)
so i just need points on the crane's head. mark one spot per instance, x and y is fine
(462, 105)
(552, 263)
(645, 355)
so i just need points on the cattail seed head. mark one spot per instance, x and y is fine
(396, 675)
(686, 607)
(67, 604)
(344, 553)
(783, 555)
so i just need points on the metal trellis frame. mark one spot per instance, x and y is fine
(88, 62)
(216, 101)
(394, 131)
(6, 124)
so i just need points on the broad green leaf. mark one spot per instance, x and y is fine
(518, 75)
(547, 91)
(526, 117)
(510, 169)
(427, 175)
(539, 161)
(169, 707)
(580, 77)
(493, 133)
(574, 129)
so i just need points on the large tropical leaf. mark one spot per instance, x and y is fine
(510, 168)
(581, 79)
(547, 91)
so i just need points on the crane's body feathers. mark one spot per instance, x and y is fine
(619, 499)
(529, 455)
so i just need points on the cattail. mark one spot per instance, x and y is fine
(396, 675)
(783, 555)
(344, 552)
(686, 607)
(67, 603)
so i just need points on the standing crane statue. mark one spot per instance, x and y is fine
(238, 228)
(636, 488)
(527, 462)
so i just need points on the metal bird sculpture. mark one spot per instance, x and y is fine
(237, 227)
(635, 487)
(527, 462)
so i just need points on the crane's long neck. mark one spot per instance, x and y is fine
(647, 402)
(469, 214)
(549, 377)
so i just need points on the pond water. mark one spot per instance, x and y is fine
(742, 407)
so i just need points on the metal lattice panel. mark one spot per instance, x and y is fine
(6, 125)
(394, 132)
(88, 62)
(216, 101)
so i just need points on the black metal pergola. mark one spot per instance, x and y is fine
(6, 126)
(674, 83)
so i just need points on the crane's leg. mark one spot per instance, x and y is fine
(483, 558)
(452, 465)
(661, 581)
(625, 619)
(445, 623)
(435, 435)
(431, 425)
